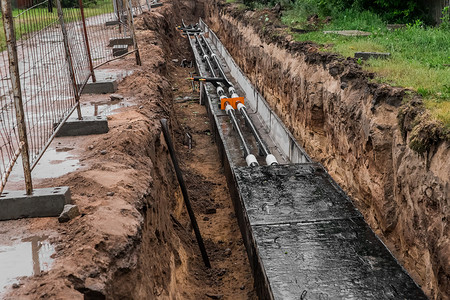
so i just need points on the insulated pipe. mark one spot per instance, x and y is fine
(249, 157)
(217, 63)
(221, 93)
(270, 158)
(205, 57)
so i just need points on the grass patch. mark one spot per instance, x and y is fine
(420, 55)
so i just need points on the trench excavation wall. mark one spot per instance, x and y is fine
(350, 125)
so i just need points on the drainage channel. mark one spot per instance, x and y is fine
(304, 237)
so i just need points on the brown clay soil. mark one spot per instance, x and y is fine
(133, 239)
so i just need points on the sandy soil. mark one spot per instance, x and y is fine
(207, 187)
(133, 239)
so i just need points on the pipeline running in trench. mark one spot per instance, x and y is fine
(303, 235)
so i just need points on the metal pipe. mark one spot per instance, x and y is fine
(249, 157)
(217, 63)
(169, 143)
(9, 168)
(206, 57)
(270, 158)
(115, 58)
(11, 46)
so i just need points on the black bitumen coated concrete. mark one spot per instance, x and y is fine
(304, 236)
(46, 202)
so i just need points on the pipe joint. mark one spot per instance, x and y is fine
(228, 108)
(251, 160)
(271, 160)
(240, 106)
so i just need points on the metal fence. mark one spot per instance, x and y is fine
(49, 53)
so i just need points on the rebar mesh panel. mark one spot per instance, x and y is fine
(47, 89)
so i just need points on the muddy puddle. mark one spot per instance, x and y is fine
(54, 163)
(26, 257)
(103, 108)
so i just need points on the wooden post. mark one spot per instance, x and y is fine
(11, 47)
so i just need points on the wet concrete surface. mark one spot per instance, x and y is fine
(298, 193)
(27, 257)
(308, 239)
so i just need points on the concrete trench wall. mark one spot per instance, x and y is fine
(350, 125)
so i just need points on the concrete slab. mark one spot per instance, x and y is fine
(292, 193)
(119, 50)
(335, 259)
(367, 55)
(349, 32)
(101, 86)
(112, 23)
(46, 202)
(304, 237)
(89, 125)
(120, 41)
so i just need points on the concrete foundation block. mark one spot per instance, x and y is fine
(119, 50)
(367, 55)
(155, 5)
(46, 202)
(112, 23)
(348, 32)
(89, 125)
(120, 41)
(101, 86)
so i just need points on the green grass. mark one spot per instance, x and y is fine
(420, 56)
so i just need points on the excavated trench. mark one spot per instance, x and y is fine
(140, 245)
(358, 130)
(167, 261)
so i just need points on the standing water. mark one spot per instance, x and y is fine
(30, 256)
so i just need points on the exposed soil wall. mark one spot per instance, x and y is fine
(352, 127)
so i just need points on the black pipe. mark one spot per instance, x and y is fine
(217, 63)
(245, 146)
(259, 141)
(207, 79)
(206, 57)
(201, 245)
